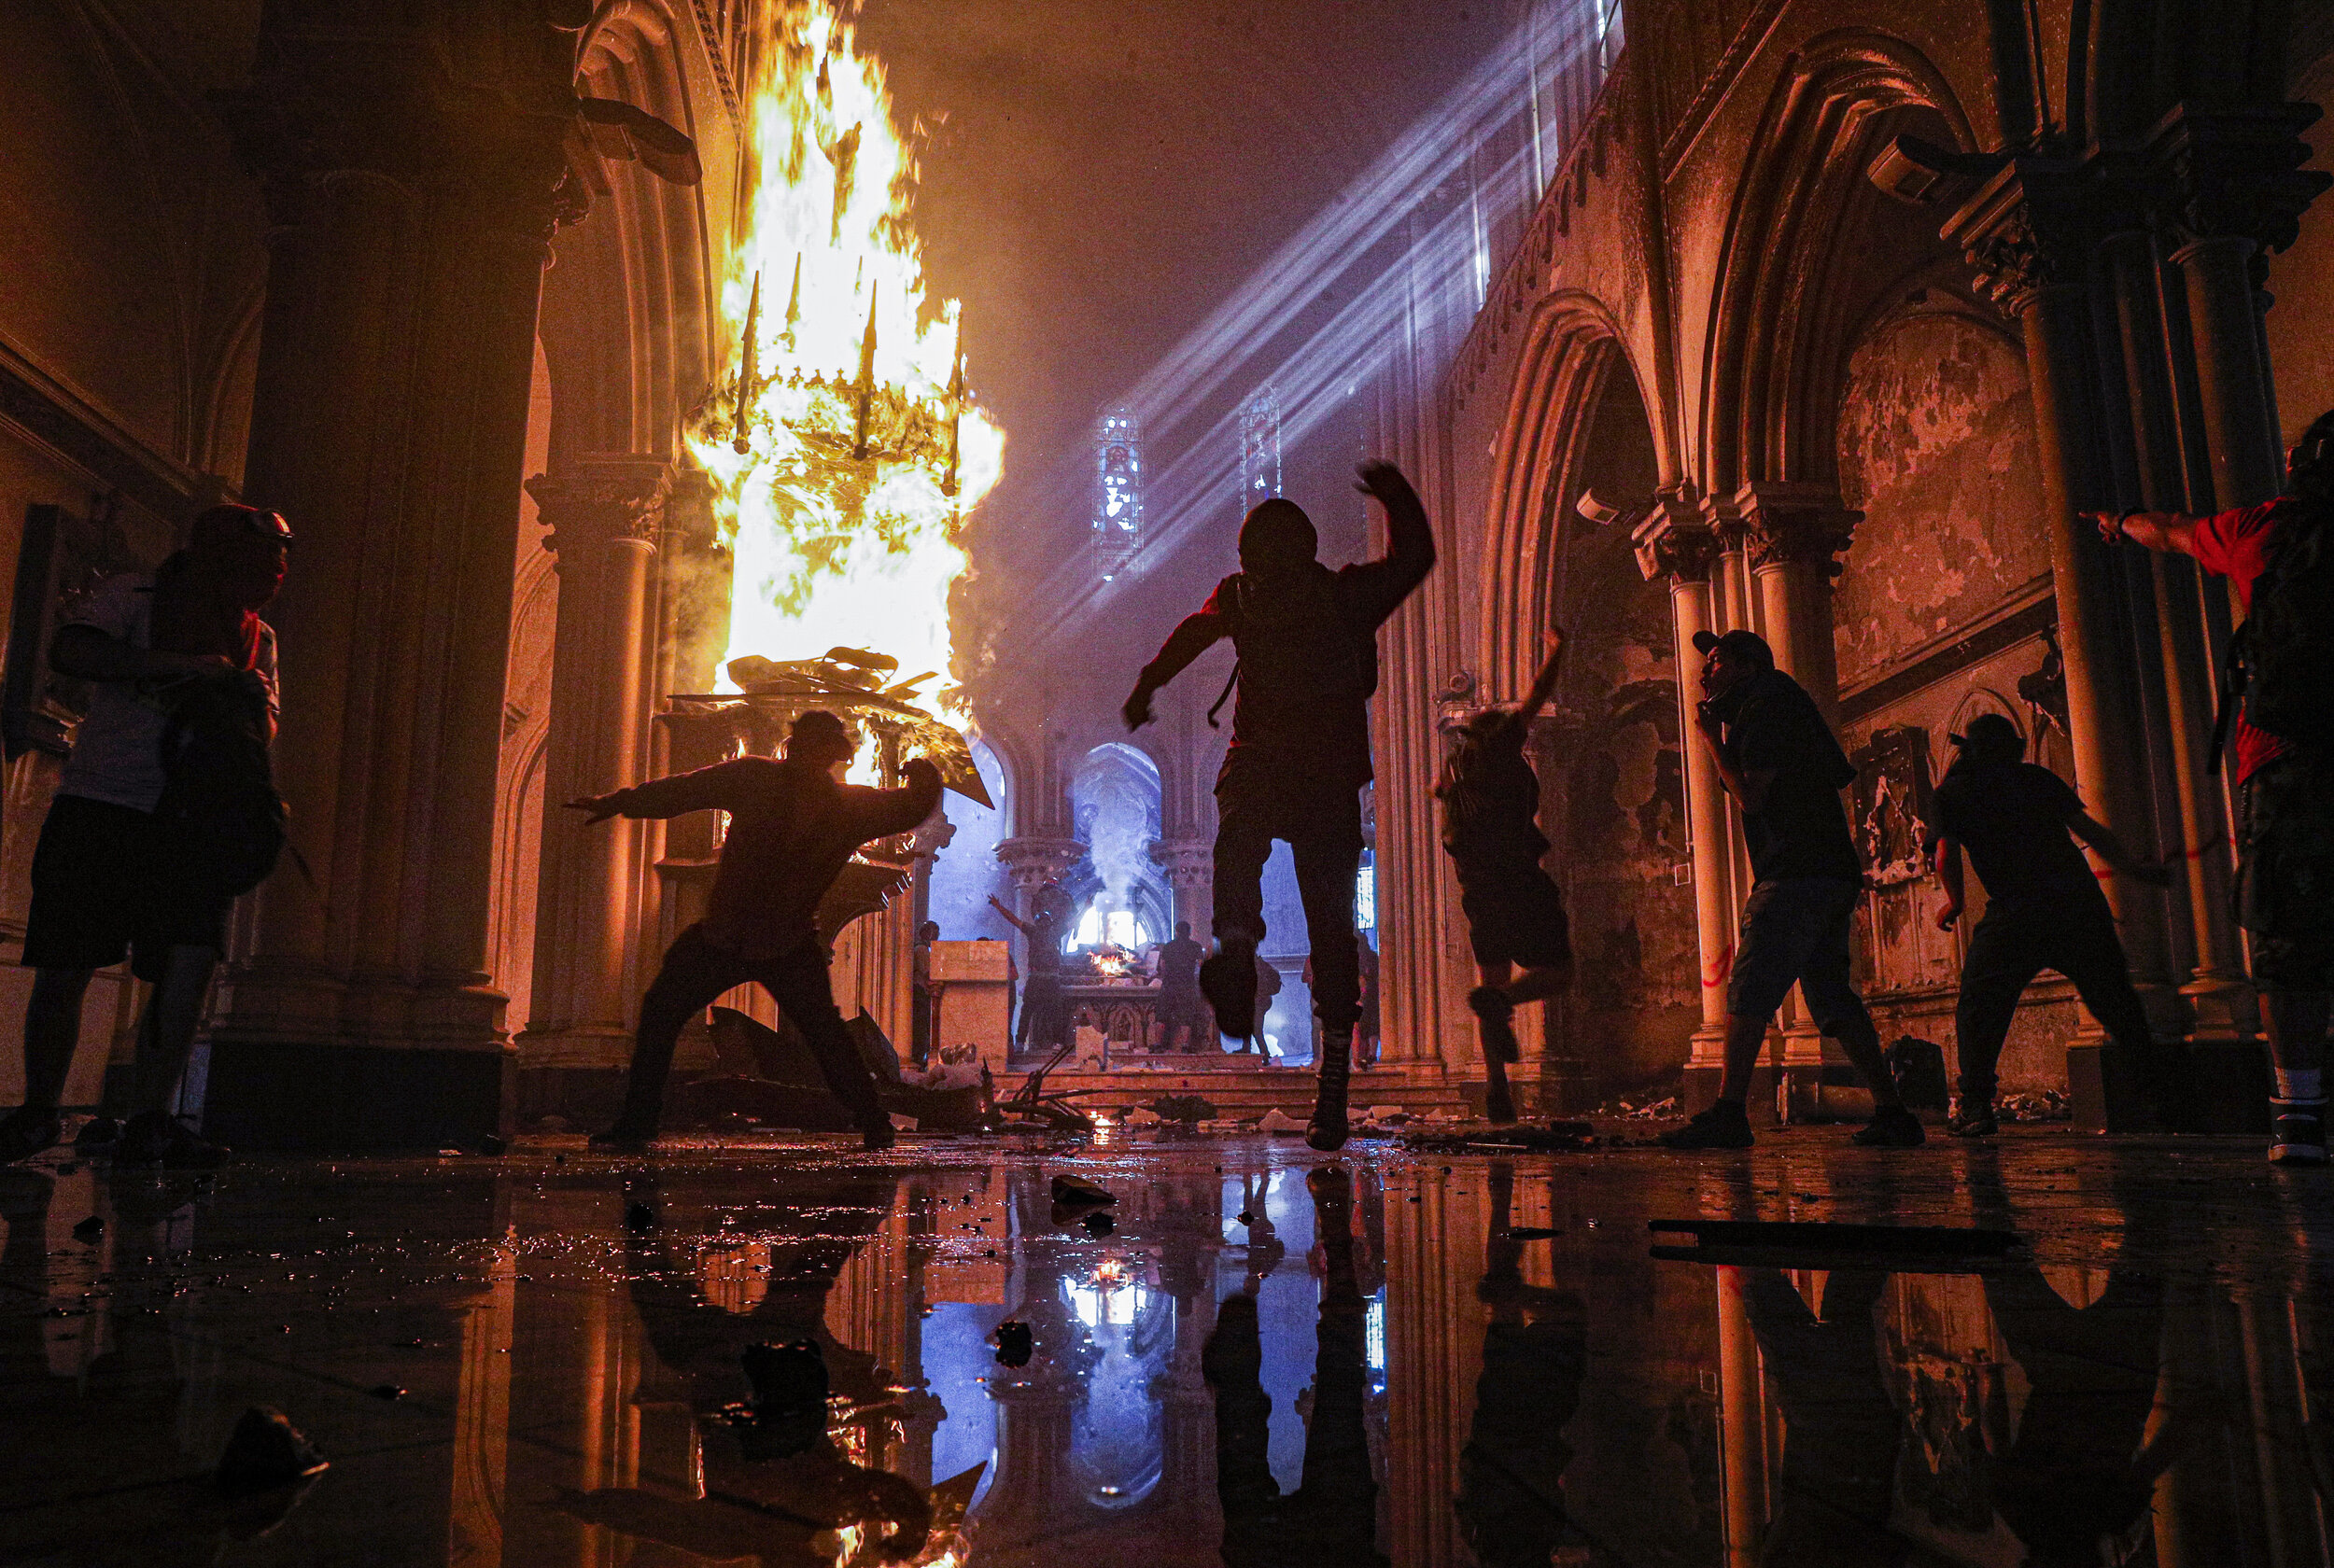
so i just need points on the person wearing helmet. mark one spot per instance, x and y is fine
(110, 877)
(1300, 753)
(793, 827)
(2044, 909)
(2277, 714)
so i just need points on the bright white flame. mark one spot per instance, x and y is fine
(839, 540)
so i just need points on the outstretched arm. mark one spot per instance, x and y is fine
(1024, 927)
(1544, 683)
(2167, 533)
(2096, 833)
(705, 789)
(1409, 553)
(1196, 636)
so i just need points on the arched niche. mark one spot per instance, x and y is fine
(1116, 891)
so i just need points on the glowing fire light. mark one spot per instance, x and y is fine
(842, 447)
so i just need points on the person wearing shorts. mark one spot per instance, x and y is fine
(1515, 917)
(109, 880)
(1780, 760)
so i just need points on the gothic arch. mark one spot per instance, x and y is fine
(1810, 245)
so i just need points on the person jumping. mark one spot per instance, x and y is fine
(1515, 912)
(1299, 754)
(793, 827)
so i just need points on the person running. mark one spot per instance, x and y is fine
(2279, 559)
(1300, 753)
(793, 827)
(1045, 1021)
(110, 876)
(1780, 760)
(1515, 912)
(2044, 908)
(1184, 1021)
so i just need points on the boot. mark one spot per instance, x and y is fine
(1328, 1130)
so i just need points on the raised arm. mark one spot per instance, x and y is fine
(2167, 533)
(1409, 553)
(1196, 636)
(1024, 927)
(882, 813)
(1544, 683)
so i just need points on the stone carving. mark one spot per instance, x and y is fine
(594, 502)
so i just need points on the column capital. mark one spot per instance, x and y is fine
(1031, 862)
(594, 500)
(2027, 231)
(1794, 523)
(2230, 171)
(1188, 863)
(1677, 539)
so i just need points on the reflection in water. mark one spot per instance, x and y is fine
(1388, 1361)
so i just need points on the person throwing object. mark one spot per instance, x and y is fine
(793, 827)
(1515, 912)
(1299, 754)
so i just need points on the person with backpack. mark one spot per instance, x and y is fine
(2277, 716)
(1515, 912)
(2044, 909)
(164, 814)
(1780, 760)
(793, 827)
(1300, 753)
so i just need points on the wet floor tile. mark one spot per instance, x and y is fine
(1265, 1357)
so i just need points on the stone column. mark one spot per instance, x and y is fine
(1031, 863)
(605, 513)
(413, 173)
(1191, 867)
(1674, 543)
(1797, 534)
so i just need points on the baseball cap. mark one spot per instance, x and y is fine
(1748, 647)
(1991, 732)
(218, 526)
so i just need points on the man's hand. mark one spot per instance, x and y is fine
(191, 667)
(1137, 711)
(1947, 914)
(1713, 729)
(914, 767)
(600, 806)
(1383, 480)
(2110, 525)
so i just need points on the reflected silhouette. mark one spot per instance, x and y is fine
(1841, 1434)
(1330, 1520)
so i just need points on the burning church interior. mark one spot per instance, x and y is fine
(631, 379)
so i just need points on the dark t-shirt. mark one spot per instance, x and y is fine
(2012, 819)
(1803, 829)
(1179, 963)
(1490, 806)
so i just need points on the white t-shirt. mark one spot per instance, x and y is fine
(117, 750)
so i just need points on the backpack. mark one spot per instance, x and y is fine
(2280, 660)
(1299, 637)
(220, 801)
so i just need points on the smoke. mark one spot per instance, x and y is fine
(1118, 806)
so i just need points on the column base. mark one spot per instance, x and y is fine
(2211, 1087)
(276, 1094)
(587, 1098)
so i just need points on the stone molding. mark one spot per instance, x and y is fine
(1031, 862)
(597, 501)
(1788, 524)
(1188, 863)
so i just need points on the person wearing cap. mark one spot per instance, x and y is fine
(2044, 907)
(1780, 760)
(108, 878)
(1300, 753)
(793, 827)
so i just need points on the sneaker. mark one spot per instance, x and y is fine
(27, 1131)
(1495, 1015)
(878, 1134)
(1228, 980)
(1329, 1129)
(98, 1132)
(2296, 1132)
(1723, 1126)
(1892, 1126)
(157, 1138)
(1971, 1118)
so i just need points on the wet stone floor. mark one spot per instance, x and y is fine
(1266, 1357)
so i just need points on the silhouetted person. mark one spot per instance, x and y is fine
(1778, 759)
(1299, 754)
(1515, 912)
(2279, 559)
(1841, 1434)
(111, 875)
(1331, 1519)
(1365, 1033)
(793, 827)
(1185, 1022)
(922, 1043)
(1510, 1498)
(2044, 908)
(1045, 1022)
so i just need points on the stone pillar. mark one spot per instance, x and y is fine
(1741, 1422)
(1031, 862)
(1674, 543)
(604, 513)
(1191, 867)
(413, 173)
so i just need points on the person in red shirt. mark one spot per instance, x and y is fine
(2286, 844)
(793, 827)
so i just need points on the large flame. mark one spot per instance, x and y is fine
(843, 448)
